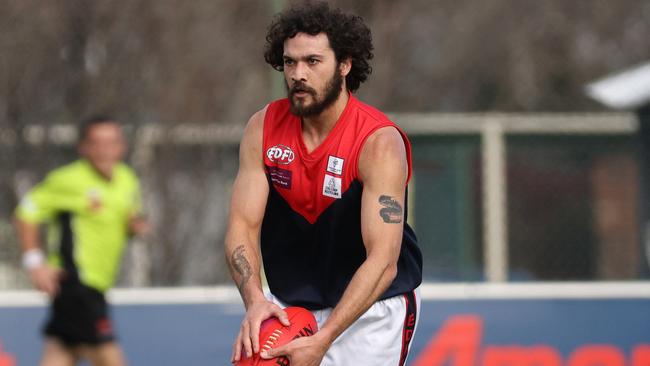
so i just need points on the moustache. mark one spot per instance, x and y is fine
(301, 87)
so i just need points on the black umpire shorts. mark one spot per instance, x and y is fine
(79, 316)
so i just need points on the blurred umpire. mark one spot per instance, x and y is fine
(91, 207)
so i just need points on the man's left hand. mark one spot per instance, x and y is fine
(303, 351)
(139, 226)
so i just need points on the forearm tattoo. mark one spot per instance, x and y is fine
(392, 211)
(241, 265)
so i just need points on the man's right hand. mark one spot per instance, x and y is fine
(249, 332)
(46, 278)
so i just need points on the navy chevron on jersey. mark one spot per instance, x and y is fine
(311, 233)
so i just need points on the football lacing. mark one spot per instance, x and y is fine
(272, 339)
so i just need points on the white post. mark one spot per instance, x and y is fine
(411, 202)
(494, 202)
(146, 138)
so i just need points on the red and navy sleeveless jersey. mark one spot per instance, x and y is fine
(311, 233)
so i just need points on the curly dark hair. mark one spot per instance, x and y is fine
(348, 36)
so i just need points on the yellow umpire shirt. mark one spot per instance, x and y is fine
(87, 217)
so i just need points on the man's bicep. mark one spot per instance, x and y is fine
(249, 196)
(250, 189)
(384, 171)
(382, 219)
(39, 204)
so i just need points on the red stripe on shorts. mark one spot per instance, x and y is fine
(409, 325)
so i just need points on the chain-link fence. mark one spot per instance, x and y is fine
(527, 197)
(545, 198)
(186, 173)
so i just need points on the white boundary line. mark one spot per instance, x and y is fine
(136, 296)
(539, 290)
(428, 291)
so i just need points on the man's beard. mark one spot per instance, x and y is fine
(331, 94)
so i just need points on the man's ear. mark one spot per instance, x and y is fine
(345, 66)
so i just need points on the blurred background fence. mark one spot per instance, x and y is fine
(494, 197)
(517, 196)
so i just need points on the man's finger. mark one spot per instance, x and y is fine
(55, 286)
(236, 349)
(51, 283)
(44, 286)
(246, 339)
(255, 336)
(282, 316)
(274, 352)
(60, 274)
(47, 286)
(51, 290)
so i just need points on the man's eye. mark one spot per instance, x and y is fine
(313, 61)
(288, 62)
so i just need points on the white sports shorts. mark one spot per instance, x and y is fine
(380, 337)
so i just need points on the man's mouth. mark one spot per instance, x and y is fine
(301, 91)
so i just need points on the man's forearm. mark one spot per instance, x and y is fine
(27, 235)
(244, 266)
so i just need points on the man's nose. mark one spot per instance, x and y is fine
(300, 72)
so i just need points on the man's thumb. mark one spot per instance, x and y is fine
(273, 352)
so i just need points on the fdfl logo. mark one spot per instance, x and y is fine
(280, 154)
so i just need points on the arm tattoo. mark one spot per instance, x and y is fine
(392, 211)
(241, 265)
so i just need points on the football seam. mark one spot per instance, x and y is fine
(272, 339)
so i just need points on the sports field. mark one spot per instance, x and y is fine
(481, 324)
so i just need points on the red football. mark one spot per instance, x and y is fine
(274, 334)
